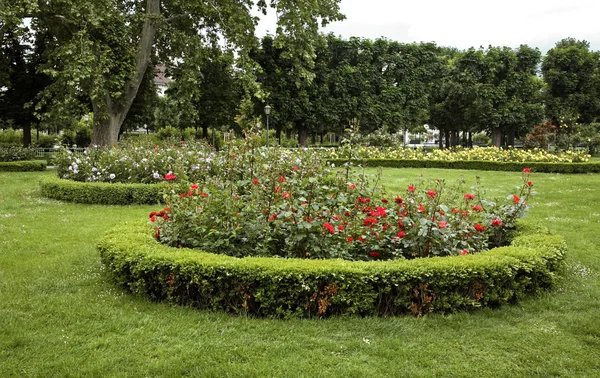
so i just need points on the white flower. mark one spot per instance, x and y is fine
(94, 169)
(156, 175)
(112, 176)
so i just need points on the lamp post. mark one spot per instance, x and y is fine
(267, 112)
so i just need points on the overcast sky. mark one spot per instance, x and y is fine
(467, 23)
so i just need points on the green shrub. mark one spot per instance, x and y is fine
(284, 288)
(543, 167)
(16, 154)
(99, 192)
(46, 141)
(11, 137)
(23, 166)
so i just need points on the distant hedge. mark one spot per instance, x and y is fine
(588, 167)
(23, 166)
(285, 288)
(99, 192)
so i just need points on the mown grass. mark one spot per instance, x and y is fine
(60, 316)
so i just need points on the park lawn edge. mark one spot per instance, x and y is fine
(296, 288)
(23, 166)
(534, 166)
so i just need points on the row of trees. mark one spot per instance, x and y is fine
(63, 59)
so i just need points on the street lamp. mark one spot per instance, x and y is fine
(267, 112)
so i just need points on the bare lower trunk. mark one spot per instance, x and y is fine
(106, 130)
(511, 136)
(278, 134)
(302, 136)
(496, 137)
(27, 134)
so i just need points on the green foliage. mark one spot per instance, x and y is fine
(16, 154)
(308, 288)
(23, 166)
(10, 137)
(46, 141)
(482, 139)
(100, 192)
(539, 167)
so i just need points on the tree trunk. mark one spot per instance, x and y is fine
(496, 137)
(447, 137)
(470, 140)
(453, 138)
(278, 134)
(511, 136)
(302, 136)
(205, 132)
(27, 134)
(109, 116)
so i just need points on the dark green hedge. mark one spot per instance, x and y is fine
(589, 167)
(23, 166)
(100, 192)
(314, 288)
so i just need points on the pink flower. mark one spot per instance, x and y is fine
(295, 168)
(442, 224)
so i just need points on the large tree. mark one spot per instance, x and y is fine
(103, 47)
(572, 75)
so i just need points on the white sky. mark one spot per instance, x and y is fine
(466, 23)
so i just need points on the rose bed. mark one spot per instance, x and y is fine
(277, 287)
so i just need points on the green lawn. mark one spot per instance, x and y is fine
(60, 316)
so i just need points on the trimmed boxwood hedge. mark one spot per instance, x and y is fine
(23, 166)
(100, 192)
(284, 288)
(588, 167)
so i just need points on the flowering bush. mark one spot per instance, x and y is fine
(16, 154)
(290, 204)
(133, 162)
(459, 154)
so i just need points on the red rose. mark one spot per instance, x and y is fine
(529, 183)
(421, 208)
(516, 199)
(349, 239)
(369, 221)
(233, 156)
(496, 222)
(282, 179)
(351, 186)
(295, 168)
(153, 218)
(361, 239)
(170, 176)
(464, 252)
(431, 193)
(374, 254)
(526, 170)
(340, 228)
(329, 227)
(285, 195)
(255, 181)
(479, 227)
(469, 196)
(411, 188)
(194, 186)
(401, 234)
(398, 200)
(477, 208)
(442, 224)
(384, 200)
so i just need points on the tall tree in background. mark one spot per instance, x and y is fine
(104, 47)
(572, 76)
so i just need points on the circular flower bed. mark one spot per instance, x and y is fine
(278, 287)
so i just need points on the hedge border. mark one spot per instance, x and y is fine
(23, 166)
(543, 167)
(101, 193)
(285, 288)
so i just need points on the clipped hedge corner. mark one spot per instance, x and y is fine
(316, 288)
(99, 192)
(23, 166)
(540, 167)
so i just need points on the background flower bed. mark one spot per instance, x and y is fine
(307, 288)
(539, 167)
